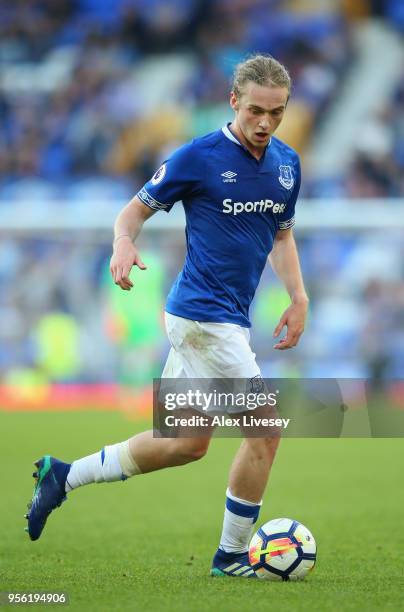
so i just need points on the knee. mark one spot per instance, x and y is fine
(196, 453)
(192, 449)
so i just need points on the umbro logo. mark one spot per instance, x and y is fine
(229, 176)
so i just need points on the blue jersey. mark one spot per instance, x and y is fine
(234, 206)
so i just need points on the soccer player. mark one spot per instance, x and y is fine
(239, 187)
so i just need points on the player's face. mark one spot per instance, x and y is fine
(259, 111)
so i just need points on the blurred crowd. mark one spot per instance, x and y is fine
(376, 169)
(63, 319)
(94, 94)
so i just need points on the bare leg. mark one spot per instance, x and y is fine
(152, 454)
(140, 454)
(248, 478)
(251, 467)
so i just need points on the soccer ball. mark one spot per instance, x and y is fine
(282, 549)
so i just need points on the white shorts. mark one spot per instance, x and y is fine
(208, 350)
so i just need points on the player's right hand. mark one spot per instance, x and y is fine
(125, 256)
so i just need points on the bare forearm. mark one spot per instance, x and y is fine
(284, 260)
(126, 229)
(129, 222)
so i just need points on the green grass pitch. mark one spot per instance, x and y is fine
(146, 544)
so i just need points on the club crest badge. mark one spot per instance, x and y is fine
(257, 384)
(286, 177)
(159, 175)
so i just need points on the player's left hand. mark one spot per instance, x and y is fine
(293, 318)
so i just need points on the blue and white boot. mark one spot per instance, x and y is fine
(49, 493)
(231, 564)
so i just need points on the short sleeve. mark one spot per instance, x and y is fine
(286, 219)
(177, 178)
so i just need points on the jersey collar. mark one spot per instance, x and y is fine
(226, 131)
(229, 134)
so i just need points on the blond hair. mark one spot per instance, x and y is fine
(262, 70)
